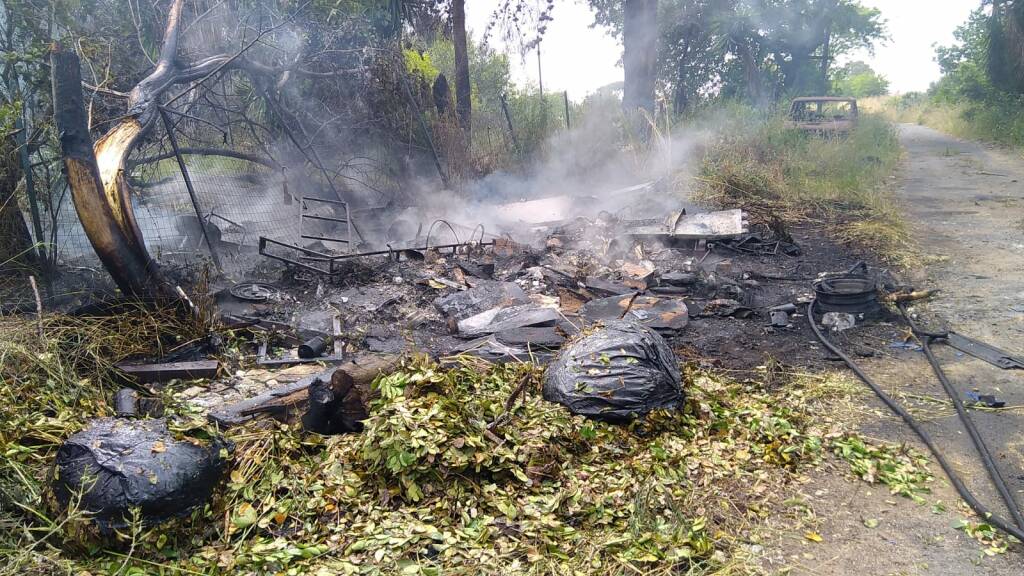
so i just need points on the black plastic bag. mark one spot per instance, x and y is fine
(118, 465)
(616, 374)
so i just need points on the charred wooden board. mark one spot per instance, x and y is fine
(155, 373)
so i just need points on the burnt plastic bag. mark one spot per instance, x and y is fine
(118, 465)
(616, 374)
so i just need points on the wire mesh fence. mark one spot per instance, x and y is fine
(250, 181)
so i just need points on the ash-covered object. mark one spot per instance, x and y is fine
(618, 373)
(118, 465)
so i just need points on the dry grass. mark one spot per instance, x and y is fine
(997, 122)
(841, 183)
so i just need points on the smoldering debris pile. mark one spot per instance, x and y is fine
(605, 300)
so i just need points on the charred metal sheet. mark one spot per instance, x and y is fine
(987, 352)
(666, 315)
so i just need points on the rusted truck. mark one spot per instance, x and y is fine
(823, 115)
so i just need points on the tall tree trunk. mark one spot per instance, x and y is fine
(639, 54)
(752, 75)
(681, 97)
(826, 60)
(110, 227)
(463, 89)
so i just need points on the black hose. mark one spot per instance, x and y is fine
(979, 443)
(954, 478)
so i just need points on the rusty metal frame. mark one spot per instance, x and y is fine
(306, 256)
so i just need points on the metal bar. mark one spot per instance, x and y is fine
(314, 256)
(264, 241)
(326, 200)
(982, 351)
(326, 218)
(188, 184)
(324, 238)
(263, 252)
(420, 249)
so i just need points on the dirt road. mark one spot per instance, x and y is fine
(965, 203)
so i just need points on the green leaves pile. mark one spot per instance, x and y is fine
(431, 487)
(427, 488)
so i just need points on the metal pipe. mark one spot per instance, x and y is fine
(188, 184)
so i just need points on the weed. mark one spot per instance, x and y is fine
(776, 173)
(999, 122)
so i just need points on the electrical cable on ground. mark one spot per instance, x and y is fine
(926, 339)
(954, 477)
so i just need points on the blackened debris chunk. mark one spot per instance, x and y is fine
(118, 465)
(618, 373)
(502, 319)
(485, 296)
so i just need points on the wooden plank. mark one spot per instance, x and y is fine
(156, 373)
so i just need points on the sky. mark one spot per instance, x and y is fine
(579, 58)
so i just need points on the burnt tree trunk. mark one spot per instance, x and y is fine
(131, 268)
(463, 89)
(639, 54)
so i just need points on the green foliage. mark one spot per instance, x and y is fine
(968, 101)
(859, 80)
(429, 487)
(751, 48)
(903, 469)
(420, 64)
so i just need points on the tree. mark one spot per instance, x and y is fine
(753, 49)
(806, 36)
(463, 89)
(258, 66)
(1005, 54)
(690, 63)
(966, 64)
(639, 54)
(859, 80)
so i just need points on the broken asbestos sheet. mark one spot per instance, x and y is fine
(705, 226)
(485, 295)
(502, 319)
